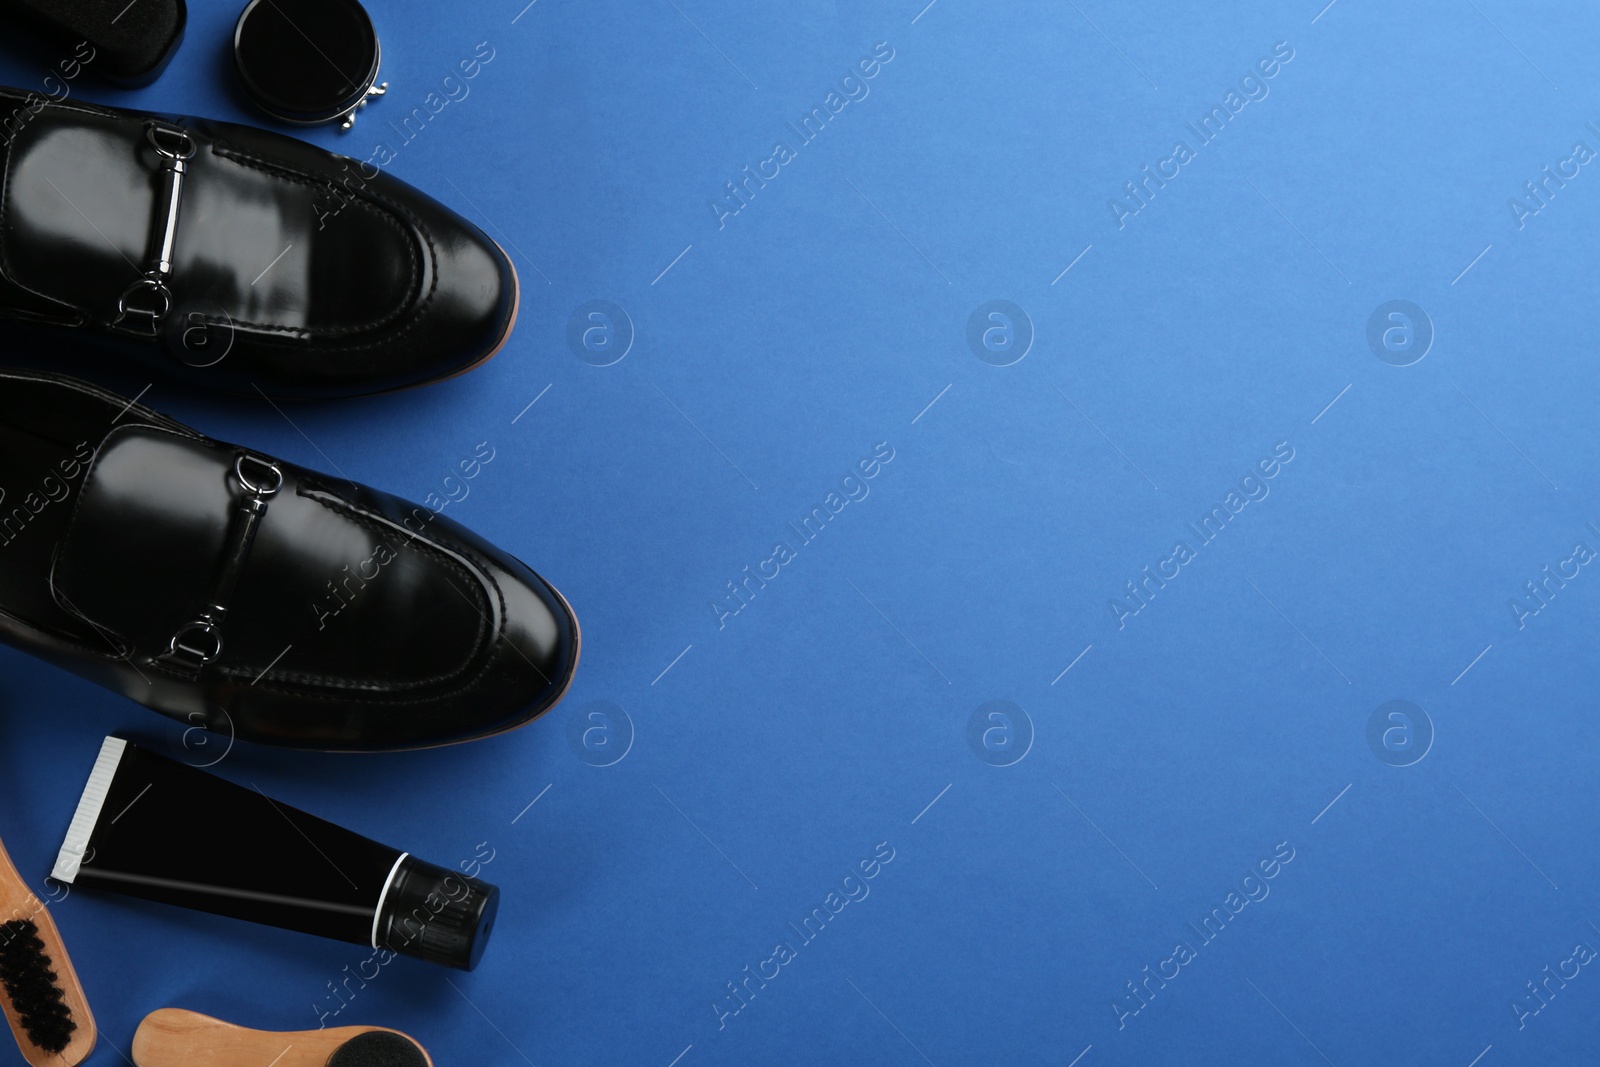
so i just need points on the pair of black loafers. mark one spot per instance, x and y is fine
(210, 582)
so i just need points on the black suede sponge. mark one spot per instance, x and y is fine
(378, 1048)
(131, 39)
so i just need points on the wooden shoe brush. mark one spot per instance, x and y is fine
(39, 991)
(173, 1037)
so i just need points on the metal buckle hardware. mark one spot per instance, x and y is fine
(198, 643)
(262, 490)
(147, 301)
(183, 647)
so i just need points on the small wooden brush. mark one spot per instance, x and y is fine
(173, 1037)
(39, 991)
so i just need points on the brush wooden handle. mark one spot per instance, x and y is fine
(17, 901)
(172, 1037)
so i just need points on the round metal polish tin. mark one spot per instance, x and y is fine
(308, 62)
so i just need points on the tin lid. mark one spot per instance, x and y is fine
(308, 62)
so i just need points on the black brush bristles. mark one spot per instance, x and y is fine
(31, 986)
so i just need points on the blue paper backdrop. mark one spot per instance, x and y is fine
(1433, 876)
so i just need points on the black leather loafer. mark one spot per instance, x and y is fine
(238, 258)
(231, 590)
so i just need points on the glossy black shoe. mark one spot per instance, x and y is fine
(234, 591)
(237, 258)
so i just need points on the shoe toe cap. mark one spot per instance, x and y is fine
(472, 302)
(536, 655)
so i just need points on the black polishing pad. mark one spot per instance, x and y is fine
(378, 1048)
(125, 42)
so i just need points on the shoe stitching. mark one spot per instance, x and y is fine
(483, 640)
(355, 515)
(222, 147)
(389, 698)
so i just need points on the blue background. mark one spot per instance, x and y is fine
(764, 759)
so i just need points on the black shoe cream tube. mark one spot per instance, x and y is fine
(149, 827)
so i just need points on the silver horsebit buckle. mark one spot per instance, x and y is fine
(199, 642)
(145, 303)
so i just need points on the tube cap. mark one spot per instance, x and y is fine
(435, 914)
(308, 62)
